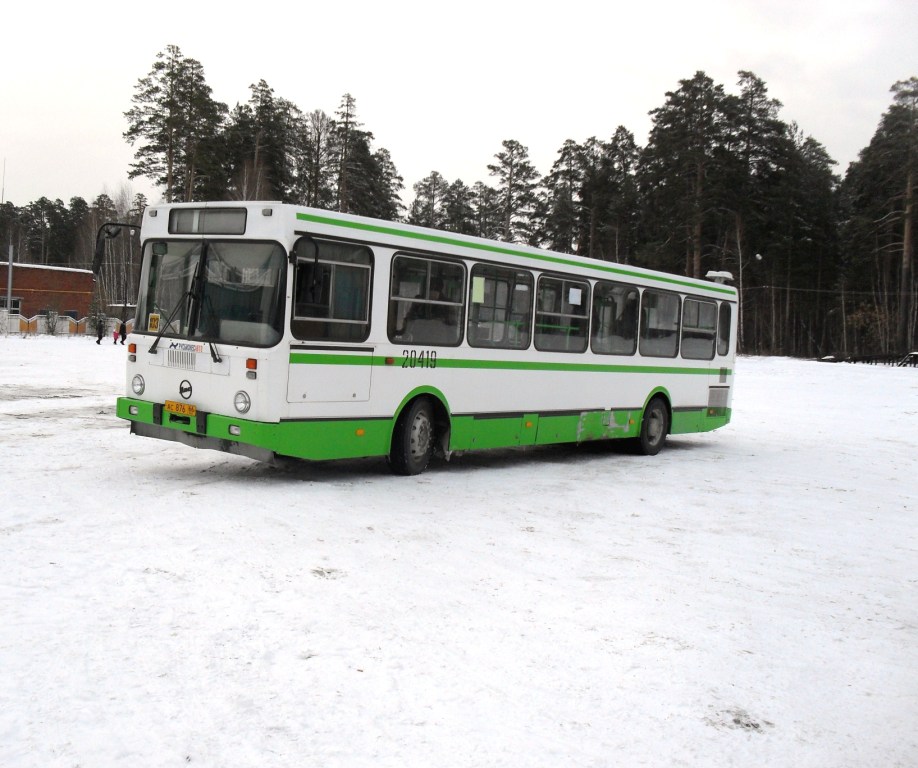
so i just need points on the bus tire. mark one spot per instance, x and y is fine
(413, 439)
(654, 427)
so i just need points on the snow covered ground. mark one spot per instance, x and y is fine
(749, 597)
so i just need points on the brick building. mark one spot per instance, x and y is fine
(38, 288)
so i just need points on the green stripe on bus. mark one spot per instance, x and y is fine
(508, 251)
(305, 358)
(320, 440)
(301, 358)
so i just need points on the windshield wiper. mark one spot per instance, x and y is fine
(214, 355)
(182, 299)
(188, 296)
(194, 295)
(205, 304)
(198, 284)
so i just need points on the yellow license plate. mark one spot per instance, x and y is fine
(182, 409)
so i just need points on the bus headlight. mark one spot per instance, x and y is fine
(242, 401)
(138, 385)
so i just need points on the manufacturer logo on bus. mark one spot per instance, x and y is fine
(184, 389)
(186, 347)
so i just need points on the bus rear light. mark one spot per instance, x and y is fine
(361, 432)
(133, 410)
(235, 430)
(251, 364)
(132, 348)
(390, 361)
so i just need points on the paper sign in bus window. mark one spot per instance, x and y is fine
(478, 290)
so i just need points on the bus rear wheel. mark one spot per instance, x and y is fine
(654, 427)
(413, 439)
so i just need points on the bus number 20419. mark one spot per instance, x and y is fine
(424, 358)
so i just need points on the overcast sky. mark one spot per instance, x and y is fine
(439, 85)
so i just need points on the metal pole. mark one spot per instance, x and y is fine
(9, 288)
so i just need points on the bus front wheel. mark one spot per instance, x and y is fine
(413, 439)
(654, 427)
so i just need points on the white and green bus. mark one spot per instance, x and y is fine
(266, 329)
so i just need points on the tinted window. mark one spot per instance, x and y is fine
(615, 315)
(500, 309)
(332, 291)
(426, 301)
(222, 291)
(723, 329)
(207, 221)
(659, 324)
(699, 326)
(561, 317)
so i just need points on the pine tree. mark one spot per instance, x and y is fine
(173, 119)
(36, 219)
(620, 220)
(517, 183)
(261, 141)
(594, 189)
(800, 252)
(562, 202)
(487, 211)
(314, 161)
(387, 186)
(682, 166)
(905, 116)
(428, 207)
(459, 209)
(373, 182)
(879, 194)
(347, 136)
(754, 162)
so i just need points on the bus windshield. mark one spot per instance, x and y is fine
(229, 292)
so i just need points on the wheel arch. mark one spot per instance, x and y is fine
(441, 412)
(663, 394)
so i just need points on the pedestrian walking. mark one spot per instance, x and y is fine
(100, 329)
(122, 331)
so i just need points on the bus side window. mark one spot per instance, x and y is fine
(615, 312)
(331, 299)
(500, 308)
(562, 319)
(659, 324)
(723, 329)
(699, 326)
(426, 301)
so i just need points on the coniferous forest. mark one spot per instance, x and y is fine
(824, 262)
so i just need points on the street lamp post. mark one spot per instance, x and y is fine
(9, 287)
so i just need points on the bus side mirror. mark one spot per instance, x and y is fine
(107, 231)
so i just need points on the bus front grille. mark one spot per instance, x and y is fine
(180, 358)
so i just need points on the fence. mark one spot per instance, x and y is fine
(64, 325)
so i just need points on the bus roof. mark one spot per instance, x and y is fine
(410, 236)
